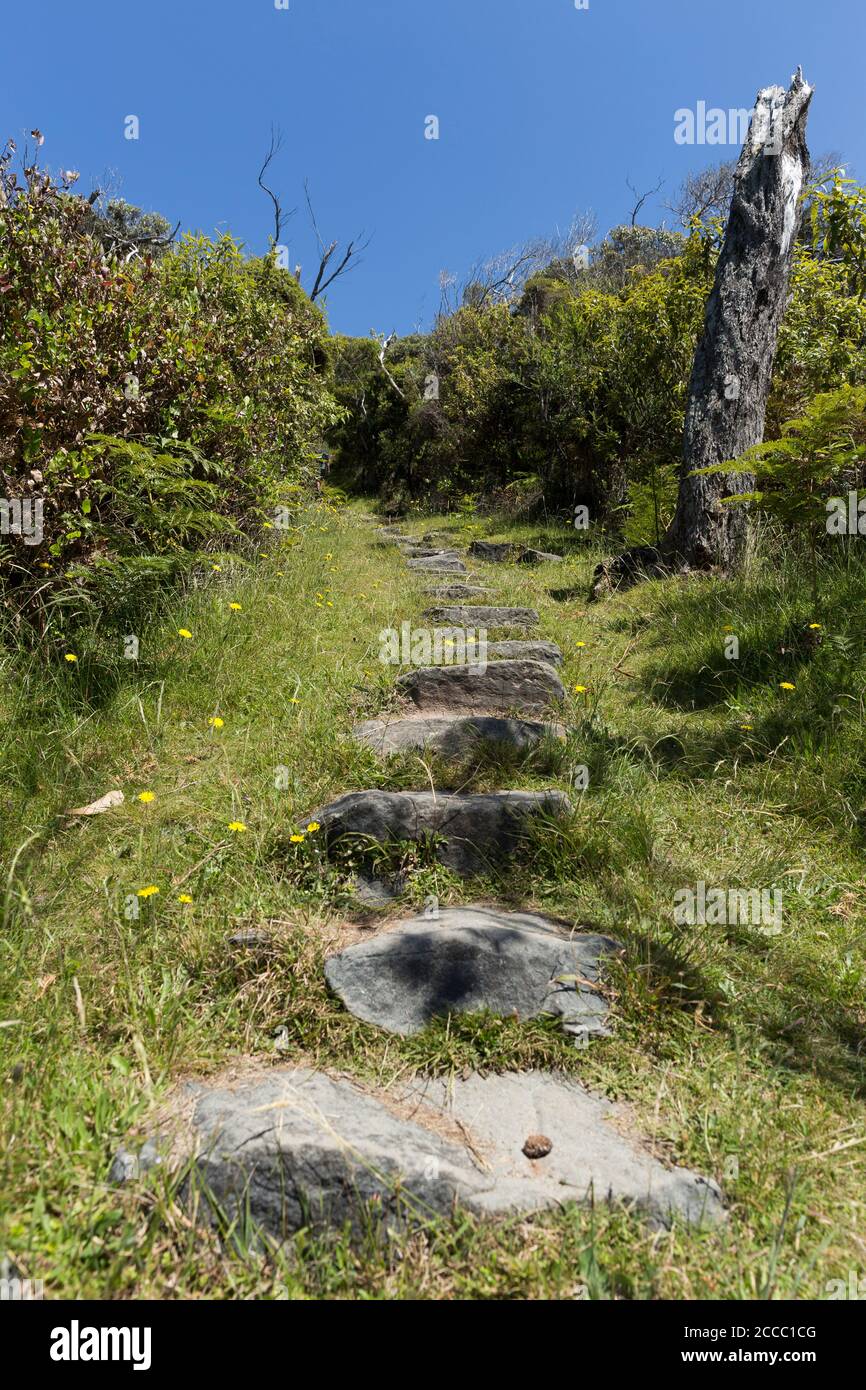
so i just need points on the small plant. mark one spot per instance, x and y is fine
(798, 474)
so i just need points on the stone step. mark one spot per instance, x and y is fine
(528, 687)
(495, 552)
(284, 1148)
(481, 615)
(471, 959)
(477, 830)
(458, 591)
(453, 735)
(527, 651)
(438, 564)
(429, 552)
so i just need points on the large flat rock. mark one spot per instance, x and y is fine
(474, 832)
(526, 687)
(470, 959)
(528, 651)
(439, 564)
(450, 591)
(288, 1147)
(482, 615)
(496, 552)
(452, 735)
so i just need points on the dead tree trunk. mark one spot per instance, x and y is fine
(733, 366)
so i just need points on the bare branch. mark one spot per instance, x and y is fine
(384, 344)
(352, 252)
(280, 218)
(641, 199)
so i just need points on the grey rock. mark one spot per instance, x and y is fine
(447, 591)
(481, 615)
(497, 552)
(473, 832)
(540, 557)
(250, 940)
(428, 552)
(528, 651)
(452, 735)
(290, 1147)
(439, 564)
(529, 687)
(469, 959)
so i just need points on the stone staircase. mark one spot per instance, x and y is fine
(284, 1147)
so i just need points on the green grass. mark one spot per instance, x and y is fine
(737, 1053)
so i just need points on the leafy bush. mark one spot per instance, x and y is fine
(152, 404)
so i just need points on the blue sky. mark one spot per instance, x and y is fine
(544, 109)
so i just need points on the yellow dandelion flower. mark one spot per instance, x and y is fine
(580, 644)
(747, 728)
(296, 839)
(814, 627)
(236, 826)
(216, 568)
(147, 892)
(235, 607)
(216, 722)
(786, 685)
(70, 656)
(313, 827)
(184, 898)
(147, 796)
(184, 632)
(580, 689)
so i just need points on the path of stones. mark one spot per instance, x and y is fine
(285, 1147)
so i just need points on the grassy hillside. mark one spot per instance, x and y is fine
(738, 1053)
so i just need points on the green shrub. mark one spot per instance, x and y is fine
(152, 404)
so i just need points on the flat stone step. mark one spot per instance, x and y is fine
(527, 651)
(528, 687)
(458, 591)
(476, 830)
(495, 552)
(429, 552)
(470, 959)
(481, 615)
(281, 1148)
(452, 735)
(438, 564)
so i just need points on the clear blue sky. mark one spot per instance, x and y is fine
(544, 110)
